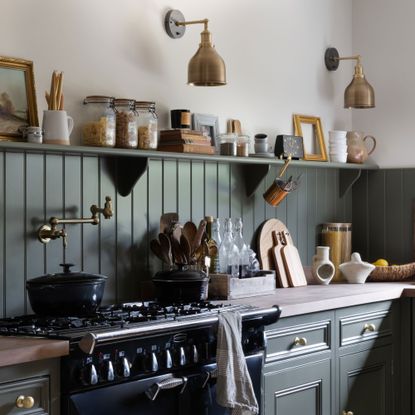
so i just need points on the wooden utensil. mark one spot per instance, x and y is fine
(185, 248)
(189, 231)
(178, 255)
(198, 237)
(292, 261)
(157, 251)
(167, 221)
(265, 242)
(282, 279)
(166, 247)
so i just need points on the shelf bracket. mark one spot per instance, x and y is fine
(347, 178)
(252, 176)
(128, 171)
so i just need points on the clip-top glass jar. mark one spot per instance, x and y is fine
(338, 236)
(147, 124)
(126, 128)
(99, 130)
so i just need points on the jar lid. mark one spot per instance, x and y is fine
(123, 101)
(145, 104)
(98, 99)
(339, 225)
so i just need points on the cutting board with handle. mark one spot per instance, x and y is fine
(292, 261)
(265, 242)
(282, 280)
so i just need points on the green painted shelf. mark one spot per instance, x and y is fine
(134, 163)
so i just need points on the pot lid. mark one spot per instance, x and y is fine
(180, 274)
(67, 276)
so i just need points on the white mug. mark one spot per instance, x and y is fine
(57, 126)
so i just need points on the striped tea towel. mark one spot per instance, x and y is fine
(234, 386)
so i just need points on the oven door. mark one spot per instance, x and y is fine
(184, 393)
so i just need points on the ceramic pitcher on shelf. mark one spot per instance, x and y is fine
(323, 269)
(357, 152)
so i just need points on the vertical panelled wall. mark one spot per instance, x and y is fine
(34, 187)
(382, 215)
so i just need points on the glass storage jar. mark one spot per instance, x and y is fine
(338, 236)
(99, 130)
(146, 124)
(126, 123)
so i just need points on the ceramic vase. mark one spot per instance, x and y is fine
(323, 269)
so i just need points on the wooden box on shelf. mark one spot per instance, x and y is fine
(224, 287)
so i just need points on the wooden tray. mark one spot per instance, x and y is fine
(223, 287)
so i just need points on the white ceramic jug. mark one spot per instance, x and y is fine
(323, 269)
(57, 126)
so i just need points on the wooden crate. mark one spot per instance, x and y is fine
(223, 287)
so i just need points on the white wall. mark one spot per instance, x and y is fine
(384, 33)
(273, 50)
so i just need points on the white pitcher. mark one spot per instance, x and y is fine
(323, 269)
(57, 126)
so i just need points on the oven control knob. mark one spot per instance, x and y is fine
(195, 354)
(109, 374)
(154, 364)
(89, 375)
(182, 357)
(124, 367)
(169, 361)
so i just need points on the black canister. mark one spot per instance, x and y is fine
(180, 118)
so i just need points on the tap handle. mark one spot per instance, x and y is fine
(107, 212)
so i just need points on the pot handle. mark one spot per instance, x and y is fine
(374, 143)
(66, 268)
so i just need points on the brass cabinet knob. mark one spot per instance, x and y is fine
(369, 328)
(26, 402)
(347, 413)
(300, 341)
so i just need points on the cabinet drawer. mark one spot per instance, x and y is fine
(301, 338)
(362, 324)
(37, 388)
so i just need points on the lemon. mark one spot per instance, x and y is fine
(381, 262)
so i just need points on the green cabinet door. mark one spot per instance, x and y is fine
(298, 390)
(366, 384)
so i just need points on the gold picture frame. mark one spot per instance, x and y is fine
(317, 137)
(18, 107)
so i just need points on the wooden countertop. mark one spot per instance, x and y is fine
(16, 350)
(293, 301)
(313, 298)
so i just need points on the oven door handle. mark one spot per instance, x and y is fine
(169, 383)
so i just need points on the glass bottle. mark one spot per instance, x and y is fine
(242, 248)
(228, 252)
(212, 245)
(146, 124)
(126, 123)
(99, 130)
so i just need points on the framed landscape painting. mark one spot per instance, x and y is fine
(17, 98)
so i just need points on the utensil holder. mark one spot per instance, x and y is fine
(274, 195)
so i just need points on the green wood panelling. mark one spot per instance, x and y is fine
(34, 187)
(382, 215)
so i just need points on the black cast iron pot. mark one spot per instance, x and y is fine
(181, 285)
(67, 293)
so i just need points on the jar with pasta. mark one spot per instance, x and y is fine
(126, 123)
(147, 124)
(99, 130)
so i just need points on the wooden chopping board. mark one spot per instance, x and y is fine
(265, 242)
(293, 266)
(282, 280)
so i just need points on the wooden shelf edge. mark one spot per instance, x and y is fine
(157, 155)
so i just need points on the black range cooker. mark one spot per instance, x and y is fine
(145, 358)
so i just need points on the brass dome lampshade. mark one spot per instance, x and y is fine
(359, 93)
(206, 67)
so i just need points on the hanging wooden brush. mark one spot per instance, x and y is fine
(54, 98)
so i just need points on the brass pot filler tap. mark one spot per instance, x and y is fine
(48, 232)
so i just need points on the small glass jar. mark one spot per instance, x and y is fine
(228, 144)
(146, 124)
(99, 130)
(242, 146)
(126, 120)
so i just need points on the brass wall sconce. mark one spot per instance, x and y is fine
(359, 93)
(206, 67)
(51, 231)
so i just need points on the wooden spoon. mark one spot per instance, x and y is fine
(166, 248)
(185, 248)
(156, 249)
(198, 237)
(189, 231)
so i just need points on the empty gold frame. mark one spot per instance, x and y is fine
(314, 146)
